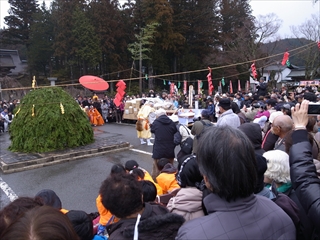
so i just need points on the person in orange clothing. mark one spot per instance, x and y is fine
(141, 174)
(167, 177)
(106, 217)
(95, 117)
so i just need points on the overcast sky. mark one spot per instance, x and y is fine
(292, 12)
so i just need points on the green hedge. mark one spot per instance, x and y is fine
(49, 129)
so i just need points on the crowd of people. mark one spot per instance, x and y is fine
(247, 169)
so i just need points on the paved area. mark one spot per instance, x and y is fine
(15, 162)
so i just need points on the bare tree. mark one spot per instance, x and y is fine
(309, 30)
(266, 27)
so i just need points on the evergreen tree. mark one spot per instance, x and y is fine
(49, 119)
(20, 20)
(40, 50)
(86, 47)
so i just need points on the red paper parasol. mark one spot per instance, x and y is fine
(93, 83)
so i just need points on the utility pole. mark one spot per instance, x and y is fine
(140, 66)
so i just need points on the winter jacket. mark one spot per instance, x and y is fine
(155, 223)
(253, 217)
(304, 176)
(164, 130)
(253, 132)
(228, 118)
(105, 214)
(167, 179)
(187, 203)
(196, 131)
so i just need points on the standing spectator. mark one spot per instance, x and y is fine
(234, 212)
(199, 127)
(12, 106)
(119, 113)
(211, 109)
(303, 173)
(105, 110)
(262, 87)
(5, 118)
(227, 117)
(281, 126)
(164, 129)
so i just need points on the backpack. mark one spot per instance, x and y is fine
(205, 128)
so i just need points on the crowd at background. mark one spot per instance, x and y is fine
(250, 171)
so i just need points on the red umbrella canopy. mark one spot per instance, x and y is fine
(93, 83)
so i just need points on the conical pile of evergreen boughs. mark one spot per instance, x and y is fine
(49, 119)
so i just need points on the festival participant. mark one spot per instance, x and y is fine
(95, 118)
(167, 177)
(143, 123)
(234, 212)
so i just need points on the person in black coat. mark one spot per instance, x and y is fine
(262, 87)
(303, 172)
(164, 129)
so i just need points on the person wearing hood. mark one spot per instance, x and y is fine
(49, 197)
(253, 132)
(164, 129)
(167, 179)
(188, 201)
(122, 194)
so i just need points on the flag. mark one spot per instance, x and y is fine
(222, 81)
(184, 87)
(319, 44)
(239, 85)
(285, 58)
(231, 88)
(164, 82)
(179, 84)
(254, 71)
(210, 82)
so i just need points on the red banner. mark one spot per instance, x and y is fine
(199, 87)
(231, 88)
(285, 58)
(254, 70)
(239, 85)
(121, 86)
(209, 77)
(184, 87)
(171, 88)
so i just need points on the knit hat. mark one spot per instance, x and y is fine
(50, 198)
(160, 112)
(274, 115)
(205, 113)
(131, 164)
(189, 174)
(261, 121)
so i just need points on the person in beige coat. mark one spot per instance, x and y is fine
(145, 117)
(188, 201)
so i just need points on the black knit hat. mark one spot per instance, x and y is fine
(131, 164)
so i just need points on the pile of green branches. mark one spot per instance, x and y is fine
(49, 119)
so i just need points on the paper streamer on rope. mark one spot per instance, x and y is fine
(171, 88)
(318, 44)
(184, 87)
(285, 58)
(179, 84)
(199, 87)
(247, 86)
(164, 82)
(230, 87)
(121, 86)
(61, 108)
(239, 85)
(209, 77)
(254, 71)
(223, 82)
